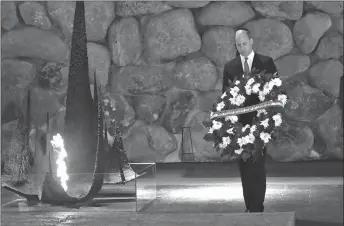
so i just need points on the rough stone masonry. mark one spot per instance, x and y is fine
(160, 65)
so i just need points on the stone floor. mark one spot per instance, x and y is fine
(314, 191)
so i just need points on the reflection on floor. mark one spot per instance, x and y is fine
(315, 196)
(317, 199)
(313, 190)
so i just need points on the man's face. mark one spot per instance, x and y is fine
(243, 43)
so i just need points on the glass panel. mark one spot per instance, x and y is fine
(113, 196)
(145, 185)
(138, 190)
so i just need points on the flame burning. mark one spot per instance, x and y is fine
(58, 146)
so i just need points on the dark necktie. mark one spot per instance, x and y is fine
(246, 67)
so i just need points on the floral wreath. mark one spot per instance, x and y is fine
(228, 134)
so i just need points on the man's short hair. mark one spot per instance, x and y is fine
(248, 33)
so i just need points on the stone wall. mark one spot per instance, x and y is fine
(160, 65)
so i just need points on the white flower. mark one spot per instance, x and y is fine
(261, 96)
(222, 145)
(241, 142)
(255, 88)
(234, 91)
(211, 114)
(240, 99)
(265, 137)
(106, 113)
(211, 130)
(253, 128)
(226, 140)
(230, 131)
(277, 81)
(245, 139)
(237, 100)
(245, 127)
(278, 119)
(282, 98)
(248, 90)
(267, 88)
(233, 100)
(250, 81)
(262, 111)
(233, 118)
(224, 95)
(216, 125)
(238, 151)
(220, 106)
(265, 123)
(237, 82)
(250, 138)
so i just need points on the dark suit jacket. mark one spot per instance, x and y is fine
(341, 97)
(233, 69)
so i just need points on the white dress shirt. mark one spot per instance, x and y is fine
(249, 60)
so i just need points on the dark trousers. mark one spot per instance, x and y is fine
(253, 180)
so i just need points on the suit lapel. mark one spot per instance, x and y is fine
(239, 68)
(256, 64)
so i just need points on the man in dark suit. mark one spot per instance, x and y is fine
(252, 172)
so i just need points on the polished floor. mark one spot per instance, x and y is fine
(314, 191)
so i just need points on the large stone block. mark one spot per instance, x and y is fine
(170, 35)
(271, 37)
(290, 65)
(179, 103)
(149, 107)
(279, 9)
(35, 43)
(9, 18)
(309, 29)
(125, 41)
(329, 127)
(325, 75)
(34, 13)
(292, 142)
(195, 74)
(219, 45)
(330, 7)
(306, 103)
(143, 146)
(98, 14)
(139, 79)
(224, 13)
(135, 8)
(330, 46)
(98, 63)
(187, 4)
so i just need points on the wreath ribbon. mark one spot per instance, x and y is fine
(239, 111)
